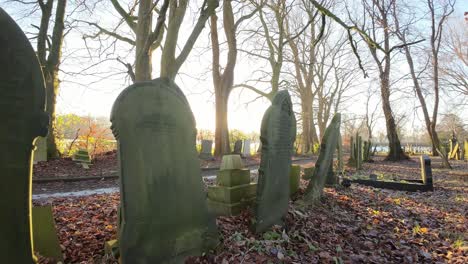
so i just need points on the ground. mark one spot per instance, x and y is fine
(104, 164)
(358, 224)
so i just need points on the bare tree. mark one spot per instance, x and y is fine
(147, 40)
(371, 113)
(49, 52)
(303, 58)
(437, 25)
(223, 79)
(377, 22)
(454, 62)
(272, 16)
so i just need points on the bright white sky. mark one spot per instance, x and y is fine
(85, 95)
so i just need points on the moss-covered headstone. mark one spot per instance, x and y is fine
(324, 162)
(46, 241)
(278, 133)
(164, 216)
(22, 101)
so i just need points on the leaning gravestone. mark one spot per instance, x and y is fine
(278, 133)
(324, 162)
(206, 146)
(22, 101)
(164, 216)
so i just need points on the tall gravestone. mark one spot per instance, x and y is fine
(278, 133)
(164, 216)
(22, 101)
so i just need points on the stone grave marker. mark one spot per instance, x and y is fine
(308, 172)
(237, 147)
(22, 104)
(46, 241)
(40, 153)
(294, 179)
(426, 170)
(233, 191)
(325, 160)
(164, 216)
(206, 147)
(278, 132)
(246, 148)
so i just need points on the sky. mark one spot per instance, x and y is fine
(92, 95)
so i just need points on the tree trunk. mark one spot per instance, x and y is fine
(51, 70)
(143, 53)
(395, 153)
(306, 113)
(430, 126)
(222, 146)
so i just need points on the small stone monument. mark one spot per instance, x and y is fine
(246, 149)
(206, 147)
(237, 147)
(46, 241)
(294, 179)
(164, 216)
(22, 104)
(40, 153)
(426, 171)
(233, 191)
(278, 132)
(308, 172)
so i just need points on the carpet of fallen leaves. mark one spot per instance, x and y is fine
(359, 224)
(104, 164)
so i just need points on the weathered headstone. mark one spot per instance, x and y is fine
(233, 191)
(22, 102)
(246, 148)
(308, 172)
(206, 147)
(325, 159)
(294, 179)
(46, 241)
(40, 153)
(231, 162)
(237, 147)
(164, 216)
(278, 132)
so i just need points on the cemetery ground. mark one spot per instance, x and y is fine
(358, 224)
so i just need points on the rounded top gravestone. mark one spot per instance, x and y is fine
(22, 100)
(163, 206)
(278, 133)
